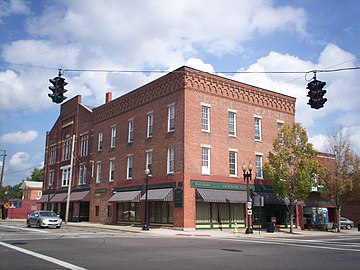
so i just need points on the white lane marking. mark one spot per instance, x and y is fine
(295, 245)
(43, 257)
(24, 229)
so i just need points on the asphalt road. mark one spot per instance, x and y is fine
(92, 248)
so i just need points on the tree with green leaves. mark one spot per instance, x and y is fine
(341, 178)
(292, 166)
(37, 175)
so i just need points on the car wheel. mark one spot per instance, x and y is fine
(348, 227)
(38, 224)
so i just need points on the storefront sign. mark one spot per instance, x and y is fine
(179, 198)
(217, 185)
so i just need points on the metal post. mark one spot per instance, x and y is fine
(247, 177)
(70, 180)
(146, 219)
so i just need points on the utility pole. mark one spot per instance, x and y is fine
(2, 168)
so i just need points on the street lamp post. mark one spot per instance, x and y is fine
(247, 177)
(48, 204)
(146, 219)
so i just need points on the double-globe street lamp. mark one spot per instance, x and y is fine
(146, 219)
(247, 177)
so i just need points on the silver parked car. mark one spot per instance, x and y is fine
(43, 218)
(346, 223)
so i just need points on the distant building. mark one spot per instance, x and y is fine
(192, 129)
(31, 190)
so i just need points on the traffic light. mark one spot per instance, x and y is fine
(58, 89)
(316, 94)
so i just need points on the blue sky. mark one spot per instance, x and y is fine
(38, 37)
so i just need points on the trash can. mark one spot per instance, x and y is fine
(270, 227)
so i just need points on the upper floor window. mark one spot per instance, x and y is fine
(100, 140)
(257, 128)
(98, 172)
(51, 182)
(171, 117)
(205, 160)
(112, 170)
(149, 157)
(131, 131)
(52, 155)
(170, 160)
(280, 135)
(129, 167)
(233, 163)
(82, 174)
(84, 145)
(232, 123)
(113, 137)
(65, 176)
(67, 149)
(205, 118)
(150, 123)
(259, 166)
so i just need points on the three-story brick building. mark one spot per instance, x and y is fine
(192, 129)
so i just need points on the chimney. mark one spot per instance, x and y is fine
(108, 97)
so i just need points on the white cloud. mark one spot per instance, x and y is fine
(319, 142)
(19, 137)
(19, 161)
(13, 7)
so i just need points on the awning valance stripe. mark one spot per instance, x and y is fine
(126, 196)
(164, 195)
(220, 196)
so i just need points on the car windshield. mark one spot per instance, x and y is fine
(47, 214)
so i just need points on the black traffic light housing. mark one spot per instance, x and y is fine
(58, 89)
(316, 94)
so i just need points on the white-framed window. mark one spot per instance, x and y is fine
(170, 160)
(232, 123)
(205, 118)
(131, 131)
(259, 166)
(84, 145)
(112, 170)
(149, 157)
(67, 149)
(100, 140)
(65, 175)
(51, 182)
(233, 163)
(129, 170)
(113, 137)
(150, 124)
(52, 160)
(98, 172)
(257, 128)
(171, 117)
(205, 160)
(82, 174)
(280, 135)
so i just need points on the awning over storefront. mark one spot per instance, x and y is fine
(45, 198)
(59, 198)
(269, 198)
(80, 196)
(318, 202)
(220, 195)
(164, 195)
(126, 196)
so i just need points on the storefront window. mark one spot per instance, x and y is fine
(203, 212)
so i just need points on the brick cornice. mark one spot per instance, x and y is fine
(145, 94)
(219, 86)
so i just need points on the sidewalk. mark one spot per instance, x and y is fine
(283, 233)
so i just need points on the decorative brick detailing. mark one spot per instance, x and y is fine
(196, 81)
(218, 86)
